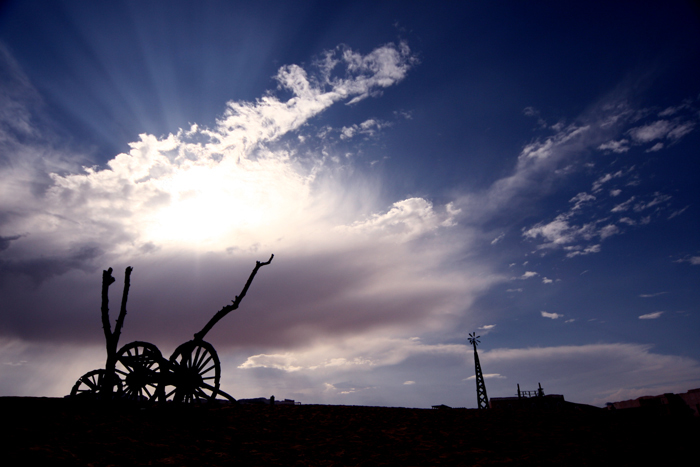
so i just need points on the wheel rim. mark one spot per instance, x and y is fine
(90, 384)
(195, 373)
(139, 365)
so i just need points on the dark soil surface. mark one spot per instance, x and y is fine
(44, 431)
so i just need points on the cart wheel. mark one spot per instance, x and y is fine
(139, 365)
(195, 373)
(90, 384)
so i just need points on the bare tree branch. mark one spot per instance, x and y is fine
(229, 308)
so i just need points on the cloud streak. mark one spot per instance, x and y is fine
(551, 315)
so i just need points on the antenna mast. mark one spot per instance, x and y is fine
(482, 398)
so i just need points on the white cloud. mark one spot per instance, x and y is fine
(281, 362)
(654, 315)
(368, 128)
(406, 220)
(659, 129)
(658, 199)
(623, 206)
(486, 376)
(604, 179)
(656, 147)
(681, 130)
(178, 189)
(244, 125)
(585, 251)
(546, 281)
(530, 112)
(355, 352)
(619, 147)
(669, 111)
(608, 231)
(580, 199)
(550, 315)
(409, 383)
(650, 132)
(487, 326)
(560, 232)
(678, 212)
(556, 232)
(547, 148)
(649, 295)
(529, 274)
(694, 260)
(545, 160)
(498, 239)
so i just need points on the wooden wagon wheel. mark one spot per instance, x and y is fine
(195, 372)
(139, 366)
(90, 384)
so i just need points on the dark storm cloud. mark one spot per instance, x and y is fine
(43, 268)
(5, 241)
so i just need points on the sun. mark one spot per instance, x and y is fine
(226, 204)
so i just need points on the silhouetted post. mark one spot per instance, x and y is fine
(482, 398)
(112, 338)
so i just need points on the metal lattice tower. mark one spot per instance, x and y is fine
(482, 398)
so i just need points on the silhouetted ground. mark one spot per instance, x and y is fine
(43, 431)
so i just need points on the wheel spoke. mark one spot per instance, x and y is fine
(211, 388)
(196, 357)
(200, 366)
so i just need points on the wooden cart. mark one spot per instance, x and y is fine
(138, 371)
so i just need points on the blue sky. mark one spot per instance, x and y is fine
(419, 171)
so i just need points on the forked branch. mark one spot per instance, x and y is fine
(234, 305)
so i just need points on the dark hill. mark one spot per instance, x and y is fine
(43, 431)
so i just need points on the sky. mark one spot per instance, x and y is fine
(420, 172)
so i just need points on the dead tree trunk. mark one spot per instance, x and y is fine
(112, 338)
